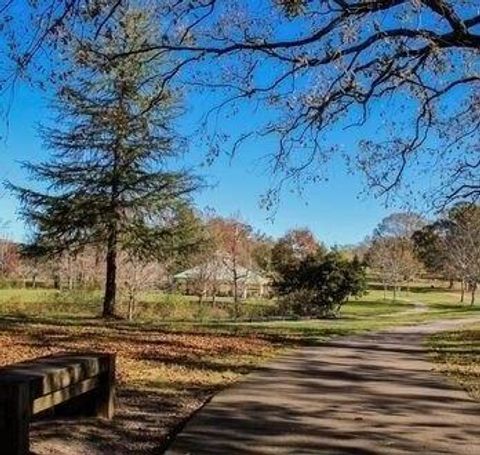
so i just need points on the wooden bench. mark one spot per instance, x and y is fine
(30, 388)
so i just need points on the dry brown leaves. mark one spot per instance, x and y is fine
(143, 356)
(164, 376)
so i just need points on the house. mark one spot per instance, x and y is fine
(218, 279)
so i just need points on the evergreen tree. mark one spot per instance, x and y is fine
(110, 179)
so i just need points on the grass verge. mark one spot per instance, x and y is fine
(457, 354)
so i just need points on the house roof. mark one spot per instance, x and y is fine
(221, 272)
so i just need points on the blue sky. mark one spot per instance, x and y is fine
(332, 209)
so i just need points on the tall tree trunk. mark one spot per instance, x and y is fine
(70, 274)
(110, 298)
(131, 305)
(462, 291)
(236, 298)
(235, 285)
(56, 282)
(473, 290)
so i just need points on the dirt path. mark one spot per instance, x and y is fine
(363, 395)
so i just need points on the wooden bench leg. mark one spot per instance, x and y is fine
(106, 398)
(15, 413)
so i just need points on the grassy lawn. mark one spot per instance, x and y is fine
(156, 306)
(457, 354)
(168, 368)
(152, 306)
(371, 312)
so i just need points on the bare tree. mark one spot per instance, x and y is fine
(392, 253)
(235, 248)
(462, 245)
(317, 66)
(400, 225)
(321, 65)
(382, 259)
(136, 275)
(88, 267)
(29, 271)
(207, 276)
(9, 259)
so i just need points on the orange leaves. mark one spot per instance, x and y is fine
(145, 357)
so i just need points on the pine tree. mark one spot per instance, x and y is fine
(110, 179)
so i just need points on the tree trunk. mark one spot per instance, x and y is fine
(131, 306)
(110, 298)
(462, 291)
(70, 274)
(236, 299)
(235, 287)
(450, 284)
(473, 289)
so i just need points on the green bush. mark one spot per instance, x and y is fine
(319, 285)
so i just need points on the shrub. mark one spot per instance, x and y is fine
(319, 285)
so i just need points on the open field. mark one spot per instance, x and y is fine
(151, 306)
(167, 369)
(156, 306)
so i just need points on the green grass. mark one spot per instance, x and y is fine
(442, 304)
(457, 354)
(156, 306)
(152, 306)
(203, 353)
(369, 313)
(179, 313)
(49, 302)
(372, 305)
